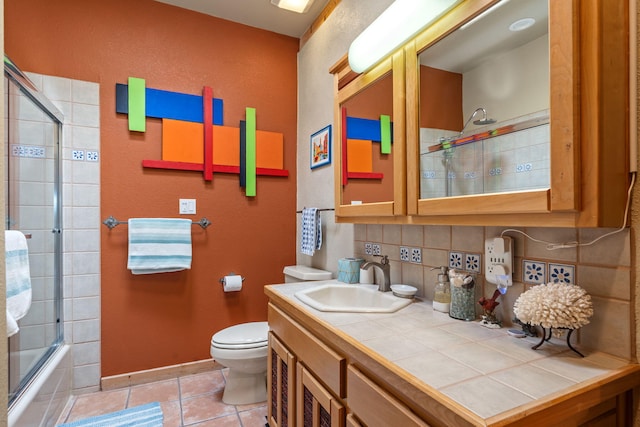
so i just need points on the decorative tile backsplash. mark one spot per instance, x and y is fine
(534, 272)
(562, 273)
(604, 270)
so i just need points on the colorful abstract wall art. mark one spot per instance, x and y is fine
(358, 136)
(194, 137)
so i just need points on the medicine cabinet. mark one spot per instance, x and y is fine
(547, 83)
(551, 144)
(370, 133)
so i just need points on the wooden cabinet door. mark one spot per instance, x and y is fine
(376, 407)
(281, 384)
(315, 405)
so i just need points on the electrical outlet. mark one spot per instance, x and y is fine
(187, 206)
(498, 258)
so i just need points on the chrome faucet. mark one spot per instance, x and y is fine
(385, 266)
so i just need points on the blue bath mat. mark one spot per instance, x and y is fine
(149, 415)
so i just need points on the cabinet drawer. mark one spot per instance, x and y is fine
(325, 363)
(374, 406)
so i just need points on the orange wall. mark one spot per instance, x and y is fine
(440, 99)
(371, 103)
(164, 319)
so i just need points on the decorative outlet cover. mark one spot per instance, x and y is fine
(404, 254)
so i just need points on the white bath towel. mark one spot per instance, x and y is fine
(18, 279)
(311, 235)
(159, 245)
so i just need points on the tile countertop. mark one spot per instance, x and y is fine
(485, 370)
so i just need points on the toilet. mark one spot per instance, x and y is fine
(243, 349)
(302, 273)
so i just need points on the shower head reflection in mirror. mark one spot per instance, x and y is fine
(481, 122)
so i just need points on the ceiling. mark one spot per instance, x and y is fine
(466, 48)
(255, 13)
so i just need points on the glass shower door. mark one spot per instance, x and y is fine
(31, 165)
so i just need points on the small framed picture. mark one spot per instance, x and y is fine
(320, 148)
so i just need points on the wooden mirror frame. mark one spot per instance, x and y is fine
(348, 84)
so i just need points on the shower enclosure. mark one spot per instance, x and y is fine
(33, 131)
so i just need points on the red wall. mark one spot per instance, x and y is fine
(164, 319)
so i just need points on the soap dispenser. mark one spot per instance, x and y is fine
(442, 294)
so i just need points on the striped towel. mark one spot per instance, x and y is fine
(159, 245)
(149, 415)
(311, 236)
(18, 279)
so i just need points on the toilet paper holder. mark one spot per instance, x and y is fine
(221, 280)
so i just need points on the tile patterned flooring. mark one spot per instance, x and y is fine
(191, 400)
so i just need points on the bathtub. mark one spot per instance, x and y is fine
(46, 395)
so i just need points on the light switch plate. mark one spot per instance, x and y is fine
(498, 258)
(187, 206)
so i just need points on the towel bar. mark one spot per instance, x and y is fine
(321, 210)
(111, 222)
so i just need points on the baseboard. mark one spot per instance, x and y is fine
(158, 374)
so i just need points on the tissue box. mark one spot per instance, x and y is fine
(349, 270)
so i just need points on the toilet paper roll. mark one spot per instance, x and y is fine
(366, 276)
(232, 283)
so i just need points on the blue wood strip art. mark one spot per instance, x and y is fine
(366, 129)
(162, 104)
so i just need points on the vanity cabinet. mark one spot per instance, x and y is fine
(557, 153)
(339, 381)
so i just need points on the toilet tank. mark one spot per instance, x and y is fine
(302, 273)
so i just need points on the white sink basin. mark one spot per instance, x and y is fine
(351, 299)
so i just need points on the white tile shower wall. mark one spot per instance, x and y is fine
(516, 161)
(79, 102)
(603, 269)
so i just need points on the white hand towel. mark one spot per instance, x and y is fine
(18, 279)
(159, 245)
(311, 235)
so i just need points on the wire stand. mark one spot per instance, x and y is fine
(547, 337)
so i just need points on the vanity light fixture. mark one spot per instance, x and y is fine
(522, 24)
(299, 6)
(402, 20)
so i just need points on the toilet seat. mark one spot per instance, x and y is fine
(242, 336)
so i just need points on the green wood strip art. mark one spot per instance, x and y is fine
(385, 134)
(137, 117)
(250, 189)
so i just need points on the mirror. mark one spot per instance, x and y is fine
(369, 144)
(484, 104)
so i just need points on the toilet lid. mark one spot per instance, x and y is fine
(244, 335)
